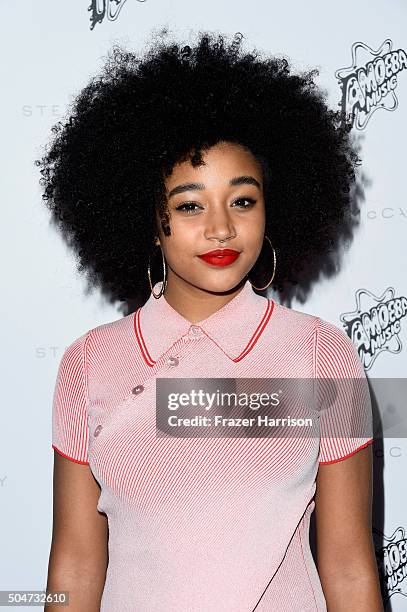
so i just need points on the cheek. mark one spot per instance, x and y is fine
(182, 244)
(252, 227)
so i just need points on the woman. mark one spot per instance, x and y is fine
(184, 180)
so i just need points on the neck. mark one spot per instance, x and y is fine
(194, 303)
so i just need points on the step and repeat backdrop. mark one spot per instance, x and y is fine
(49, 51)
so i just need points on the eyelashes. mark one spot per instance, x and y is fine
(182, 207)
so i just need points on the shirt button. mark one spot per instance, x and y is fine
(173, 361)
(138, 389)
(97, 430)
(195, 330)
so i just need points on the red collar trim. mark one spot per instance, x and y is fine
(250, 345)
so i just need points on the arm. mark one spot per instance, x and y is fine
(78, 556)
(345, 551)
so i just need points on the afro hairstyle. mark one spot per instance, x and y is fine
(103, 170)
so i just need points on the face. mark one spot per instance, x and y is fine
(220, 200)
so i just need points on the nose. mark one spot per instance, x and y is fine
(219, 224)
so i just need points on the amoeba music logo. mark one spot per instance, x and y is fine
(99, 9)
(392, 562)
(370, 82)
(375, 324)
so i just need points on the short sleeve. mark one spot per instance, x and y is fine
(70, 403)
(342, 395)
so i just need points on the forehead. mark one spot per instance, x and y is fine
(222, 162)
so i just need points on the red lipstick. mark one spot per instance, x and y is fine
(220, 257)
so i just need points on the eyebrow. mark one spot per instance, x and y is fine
(237, 180)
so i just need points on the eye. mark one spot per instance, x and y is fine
(187, 204)
(188, 207)
(250, 200)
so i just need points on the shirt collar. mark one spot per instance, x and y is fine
(235, 327)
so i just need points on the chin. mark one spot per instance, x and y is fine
(221, 285)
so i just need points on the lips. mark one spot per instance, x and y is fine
(220, 257)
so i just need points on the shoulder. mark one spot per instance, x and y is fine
(290, 322)
(325, 332)
(335, 353)
(111, 334)
(293, 315)
(102, 341)
(331, 337)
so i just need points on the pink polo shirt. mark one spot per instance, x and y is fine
(203, 524)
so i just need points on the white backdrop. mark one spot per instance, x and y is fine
(48, 52)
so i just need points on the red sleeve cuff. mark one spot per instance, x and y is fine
(70, 458)
(349, 454)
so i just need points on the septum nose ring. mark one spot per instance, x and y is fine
(224, 239)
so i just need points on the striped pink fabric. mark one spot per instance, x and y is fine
(204, 524)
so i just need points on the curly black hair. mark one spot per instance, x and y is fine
(103, 172)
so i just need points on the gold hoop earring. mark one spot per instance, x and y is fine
(274, 270)
(164, 282)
